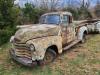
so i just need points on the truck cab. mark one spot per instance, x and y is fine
(65, 21)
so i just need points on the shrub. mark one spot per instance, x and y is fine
(5, 35)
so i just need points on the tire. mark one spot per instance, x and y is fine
(84, 38)
(99, 32)
(49, 57)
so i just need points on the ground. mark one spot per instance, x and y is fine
(82, 59)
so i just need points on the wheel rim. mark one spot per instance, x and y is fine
(48, 58)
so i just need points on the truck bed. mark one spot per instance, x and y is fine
(92, 25)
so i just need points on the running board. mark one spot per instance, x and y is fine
(72, 44)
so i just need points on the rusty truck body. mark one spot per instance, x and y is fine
(56, 32)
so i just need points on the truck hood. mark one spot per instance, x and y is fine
(35, 31)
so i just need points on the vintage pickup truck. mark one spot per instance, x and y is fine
(56, 32)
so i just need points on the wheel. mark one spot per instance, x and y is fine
(99, 31)
(49, 57)
(84, 38)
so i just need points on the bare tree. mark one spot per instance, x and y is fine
(83, 3)
(49, 4)
(98, 2)
(44, 4)
(54, 4)
(97, 9)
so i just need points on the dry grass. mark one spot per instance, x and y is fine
(82, 59)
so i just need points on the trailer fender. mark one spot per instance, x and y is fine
(81, 32)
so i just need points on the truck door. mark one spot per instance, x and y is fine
(68, 30)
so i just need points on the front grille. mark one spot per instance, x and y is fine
(22, 51)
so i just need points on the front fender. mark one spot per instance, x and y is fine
(81, 32)
(41, 45)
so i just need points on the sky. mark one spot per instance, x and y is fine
(64, 2)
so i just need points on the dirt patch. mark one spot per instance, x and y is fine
(72, 55)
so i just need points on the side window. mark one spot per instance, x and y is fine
(65, 19)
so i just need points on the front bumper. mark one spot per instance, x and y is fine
(23, 60)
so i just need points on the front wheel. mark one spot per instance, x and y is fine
(49, 57)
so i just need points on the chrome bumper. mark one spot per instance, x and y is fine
(22, 60)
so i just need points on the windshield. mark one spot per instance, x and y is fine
(50, 19)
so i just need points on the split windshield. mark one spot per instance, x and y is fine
(50, 19)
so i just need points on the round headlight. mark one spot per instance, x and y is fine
(32, 48)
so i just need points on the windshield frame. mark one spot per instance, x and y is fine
(44, 21)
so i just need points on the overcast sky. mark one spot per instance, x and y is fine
(22, 2)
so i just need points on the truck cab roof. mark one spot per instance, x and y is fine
(66, 13)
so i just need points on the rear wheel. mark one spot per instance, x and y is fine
(49, 57)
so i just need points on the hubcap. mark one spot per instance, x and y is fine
(48, 58)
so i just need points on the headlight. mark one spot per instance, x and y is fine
(31, 47)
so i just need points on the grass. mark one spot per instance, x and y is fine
(82, 59)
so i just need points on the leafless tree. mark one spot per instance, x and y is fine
(85, 3)
(97, 9)
(49, 4)
(98, 2)
(54, 4)
(79, 3)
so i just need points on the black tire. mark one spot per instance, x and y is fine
(49, 57)
(84, 38)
